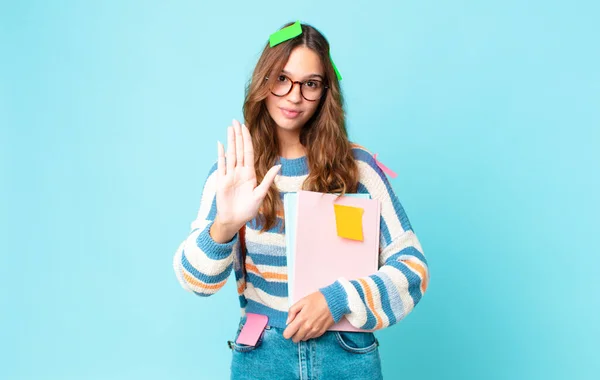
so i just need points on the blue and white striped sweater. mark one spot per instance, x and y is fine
(382, 299)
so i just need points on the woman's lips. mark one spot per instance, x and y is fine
(290, 114)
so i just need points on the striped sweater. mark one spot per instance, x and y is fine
(373, 302)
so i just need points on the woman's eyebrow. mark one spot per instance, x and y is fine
(306, 77)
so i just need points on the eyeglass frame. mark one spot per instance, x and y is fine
(325, 87)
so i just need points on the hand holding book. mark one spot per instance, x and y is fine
(308, 318)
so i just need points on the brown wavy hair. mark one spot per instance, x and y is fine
(332, 167)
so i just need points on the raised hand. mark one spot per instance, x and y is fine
(238, 196)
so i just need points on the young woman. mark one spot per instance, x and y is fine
(295, 138)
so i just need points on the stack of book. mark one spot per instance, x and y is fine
(328, 237)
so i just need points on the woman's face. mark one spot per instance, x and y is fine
(292, 111)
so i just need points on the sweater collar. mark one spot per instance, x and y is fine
(291, 167)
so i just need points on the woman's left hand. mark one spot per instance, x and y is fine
(308, 318)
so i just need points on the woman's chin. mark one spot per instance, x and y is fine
(288, 125)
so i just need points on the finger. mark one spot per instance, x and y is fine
(261, 190)
(248, 148)
(316, 331)
(230, 150)
(294, 310)
(300, 334)
(309, 335)
(239, 143)
(317, 334)
(292, 329)
(220, 160)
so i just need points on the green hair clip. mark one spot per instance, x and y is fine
(290, 32)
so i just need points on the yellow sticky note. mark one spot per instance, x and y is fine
(348, 221)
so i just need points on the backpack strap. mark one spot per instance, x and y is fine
(242, 238)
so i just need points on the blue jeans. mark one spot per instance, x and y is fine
(333, 355)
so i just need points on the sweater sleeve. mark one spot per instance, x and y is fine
(387, 296)
(202, 266)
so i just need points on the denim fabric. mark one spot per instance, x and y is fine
(333, 355)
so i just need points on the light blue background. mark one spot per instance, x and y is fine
(110, 113)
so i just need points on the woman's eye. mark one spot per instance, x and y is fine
(312, 84)
(281, 78)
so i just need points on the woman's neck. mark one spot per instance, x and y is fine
(289, 145)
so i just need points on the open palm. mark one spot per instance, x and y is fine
(238, 196)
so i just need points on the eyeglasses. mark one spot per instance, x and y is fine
(311, 89)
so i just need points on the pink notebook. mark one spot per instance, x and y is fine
(321, 256)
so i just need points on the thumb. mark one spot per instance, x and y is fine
(261, 190)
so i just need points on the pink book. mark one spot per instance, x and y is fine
(321, 256)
